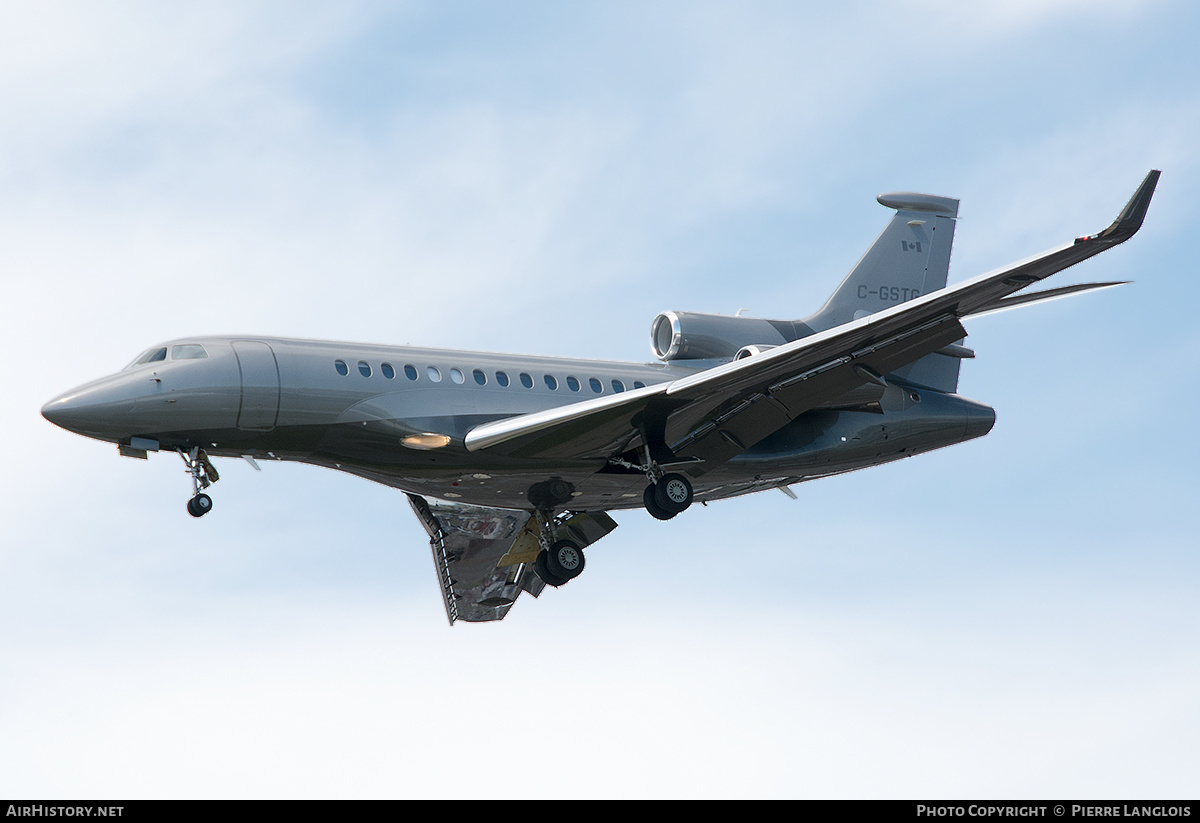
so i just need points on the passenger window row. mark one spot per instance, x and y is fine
(434, 375)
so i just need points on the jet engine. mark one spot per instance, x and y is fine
(750, 351)
(679, 335)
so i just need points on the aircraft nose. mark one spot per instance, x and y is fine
(56, 411)
(70, 411)
(100, 409)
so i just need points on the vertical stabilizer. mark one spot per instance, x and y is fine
(910, 258)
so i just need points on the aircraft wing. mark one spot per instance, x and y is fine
(715, 414)
(468, 545)
(484, 556)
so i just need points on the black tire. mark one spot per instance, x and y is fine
(673, 493)
(540, 566)
(565, 560)
(650, 501)
(199, 505)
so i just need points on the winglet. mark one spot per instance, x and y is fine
(1131, 217)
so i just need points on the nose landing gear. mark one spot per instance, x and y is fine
(204, 474)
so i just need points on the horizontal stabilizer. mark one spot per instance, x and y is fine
(911, 201)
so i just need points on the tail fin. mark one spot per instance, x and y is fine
(910, 258)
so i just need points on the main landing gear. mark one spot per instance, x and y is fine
(668, 493)
(668, 496)
(559, 564)
(203, 475)
(559, 561)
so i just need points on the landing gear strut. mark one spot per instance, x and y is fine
(668, 494)
(559, 561)
(203, 475)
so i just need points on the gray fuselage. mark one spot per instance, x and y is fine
(351, 406)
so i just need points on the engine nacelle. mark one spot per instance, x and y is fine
(750, 351)
(680, 335)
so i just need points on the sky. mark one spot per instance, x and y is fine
(1013, 617)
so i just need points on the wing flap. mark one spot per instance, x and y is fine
(753, 418)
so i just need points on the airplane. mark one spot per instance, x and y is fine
(512, 463)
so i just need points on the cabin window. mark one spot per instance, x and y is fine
(480, 377)
(596, 385)
(434, 374)
(502, 378)
(638, 384)
(387, 370)
(410, 371)
(188, 351)
(551, 383)
(526, 380)
(618, 386)
(572, 383)
(341, 367)
(457, 376)
(364, 368)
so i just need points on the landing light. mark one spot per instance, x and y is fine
(425, 442)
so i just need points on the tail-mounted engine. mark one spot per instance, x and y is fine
(750, 351)
(679, 335)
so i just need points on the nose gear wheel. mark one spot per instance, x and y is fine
(199, 505)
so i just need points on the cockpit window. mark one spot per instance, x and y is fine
(150, 356)
(188, 351)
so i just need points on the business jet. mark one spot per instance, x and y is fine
(512, 463)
